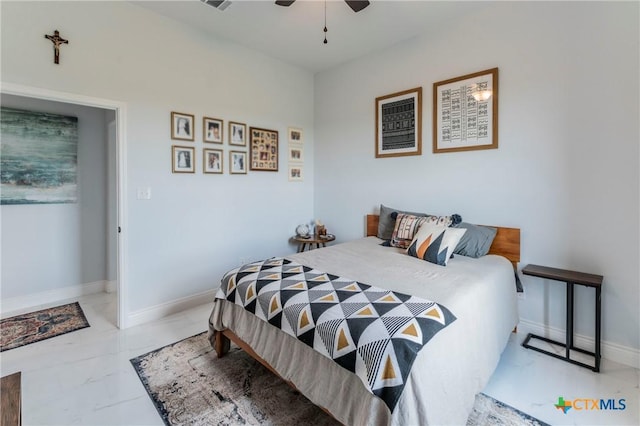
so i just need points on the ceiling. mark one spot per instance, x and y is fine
(294, 34)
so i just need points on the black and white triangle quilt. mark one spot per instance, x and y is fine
(372, 332)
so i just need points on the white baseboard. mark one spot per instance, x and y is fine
(110, 286)
(20, 304)
(164, 309)
(612, 351)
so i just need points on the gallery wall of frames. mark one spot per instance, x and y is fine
(248, 148)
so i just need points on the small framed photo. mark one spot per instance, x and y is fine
(264, 149)
(399, 124)
(182, 126)
(237, 134)
(296, 153)
(212, 129)
(295, 135)
(183, 159)
(295, 173)
(238, 161)
(212, 160)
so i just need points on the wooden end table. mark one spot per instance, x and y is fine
(571, 278)
(313, 239)
(11, 400)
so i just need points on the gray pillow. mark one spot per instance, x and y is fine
(476, 241)
(387, 223)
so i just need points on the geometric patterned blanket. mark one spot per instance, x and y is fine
(372, 332)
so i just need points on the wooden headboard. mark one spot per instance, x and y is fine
(506, 243)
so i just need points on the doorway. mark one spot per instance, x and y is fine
(114, 129)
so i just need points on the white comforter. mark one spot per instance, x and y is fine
(448, 372)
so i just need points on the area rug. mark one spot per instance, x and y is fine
(489, 411)
(33, 327)
(189, 385)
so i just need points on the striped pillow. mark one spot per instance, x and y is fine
(435, 243)
(406, 227)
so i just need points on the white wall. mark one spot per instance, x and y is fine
(565, 172)
(196, 226)
(51, 246)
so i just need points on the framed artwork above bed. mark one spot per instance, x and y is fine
(465, 112)
(399, 124)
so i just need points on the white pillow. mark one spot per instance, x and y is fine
(435, 243)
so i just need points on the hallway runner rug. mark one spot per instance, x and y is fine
(44, 324)
(189, 385)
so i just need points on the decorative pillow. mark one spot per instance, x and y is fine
(452, 220)
(476, 241)
(435, 243)
(407, 225)
(405, 229)
(387, 223)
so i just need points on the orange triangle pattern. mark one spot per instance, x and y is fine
(304, 320)
(411, 331)
(433, 313)
(388, 372)
(342, 340)
(274, 305)
(423, 247)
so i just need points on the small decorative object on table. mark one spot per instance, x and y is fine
(320, 229)
(302, 231)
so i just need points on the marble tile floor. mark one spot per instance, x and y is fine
(85, 377)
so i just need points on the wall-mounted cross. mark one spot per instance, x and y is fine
(57, 41)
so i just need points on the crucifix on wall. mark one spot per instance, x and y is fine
(57, 41)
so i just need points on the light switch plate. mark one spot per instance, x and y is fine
(144, 193)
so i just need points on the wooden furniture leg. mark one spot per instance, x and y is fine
(222, 345)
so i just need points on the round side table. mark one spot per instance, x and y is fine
(308, 243)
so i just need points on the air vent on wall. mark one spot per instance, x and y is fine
(218, 4)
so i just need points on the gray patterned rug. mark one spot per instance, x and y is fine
(189, 385)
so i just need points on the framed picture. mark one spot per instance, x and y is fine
(238, 161)
(296, 153)
(295, 135)
(212, 160)
(399, 124)
(212, 130)
(182, 126)
(465, 112)
(264, 149)
(237, 134)
(295, 173)
(38, 158)
(183, 159)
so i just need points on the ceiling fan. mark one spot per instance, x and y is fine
(355, 5)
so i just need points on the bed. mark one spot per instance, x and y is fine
(447, 372)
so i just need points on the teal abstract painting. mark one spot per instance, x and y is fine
(38, 157)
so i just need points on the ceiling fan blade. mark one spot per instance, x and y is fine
(356, 5)
(285, 3)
